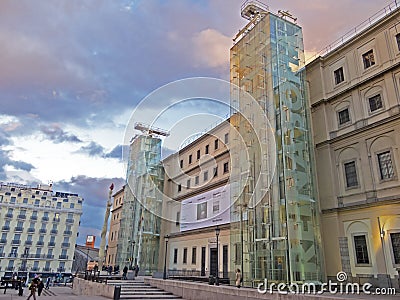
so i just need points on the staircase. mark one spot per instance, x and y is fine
(137, 289)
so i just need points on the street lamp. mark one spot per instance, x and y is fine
(217, 231)
(165, 257)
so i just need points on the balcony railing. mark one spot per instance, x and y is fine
(49, 256)
(63, 257)
(45, 219)
(69, 221)
(60, 269)
(40, 243)
(22, 269)
(13, 255)
(23, 217)
(25, 255)
(5, 228)
(16, 242)
(57, 220)
(18, 229)
(54, 231)
(65, 244)
(2, 254)
(35, 269)
(51, 244)
(28, 242)
(8, 215)
(3, 241)
(10, 268)
(42, 230)
(33, 218)
(67, 232)
(46, 269)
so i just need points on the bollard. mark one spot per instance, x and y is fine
(117, 292)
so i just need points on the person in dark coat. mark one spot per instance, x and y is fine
(40, 287)
(124, 271)
(136, 270)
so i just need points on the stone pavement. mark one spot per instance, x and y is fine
(56, 292)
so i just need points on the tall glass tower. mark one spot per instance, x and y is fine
(275, 230)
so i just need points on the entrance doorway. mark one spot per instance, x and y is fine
(203, 261)
(213, 261)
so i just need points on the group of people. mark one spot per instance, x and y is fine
(125, 271)
(110, 270)
(37, 285)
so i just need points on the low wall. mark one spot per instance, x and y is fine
(92, 288)
(201, 291)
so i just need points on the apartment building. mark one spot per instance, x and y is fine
(196, 202)
(115, 224)
(39, 228)
(355, 104)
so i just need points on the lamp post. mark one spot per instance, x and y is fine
(217, 231)
(165, 257)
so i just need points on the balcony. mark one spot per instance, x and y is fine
(51, 244)
(60, 269)
(25, 255)
(31, 229)
(70, 221)
(67, 232)
(22, 269)
(49, 256)
(46, 269)
(18, 229)
(10, 268)
(28, 242)
(9, 215)
(65, 245)
(42, 230)
(56, 220)
(39, 243)
(3, 241)
(35, 269)
(16, 242)
(15, 255)
(54, 231)
(2, 254)
(5, 228)
(45, 219)
(33, 218)
(36, 255)
(22, 217)
(63, 257)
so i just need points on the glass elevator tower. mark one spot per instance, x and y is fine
(275, 230)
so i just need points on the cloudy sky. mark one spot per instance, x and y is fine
(72, 72)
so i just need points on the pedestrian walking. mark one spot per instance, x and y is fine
(48, 281)
(136, 270)
(33, 288)
(238, 278)
(124, 271)
(20, 287)
(40, 287)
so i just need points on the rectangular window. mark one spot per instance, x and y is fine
(179, 187)
(360, 245)
(395, 239)
(205, 176)
(344, 116)
(215, 171)
(398, 41)
(175, 256)
(207, 149)
(178, 218)
(184, 256)
(198, 154)
(188, 184)
(375, 102)
(339, 75)
(368, 59)
(385, 165)
(216, 144)
(181, 164)
(196, 180)
(194, 250)
(190, 158)
(351, 174)
(226, 138)
(226, 167)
